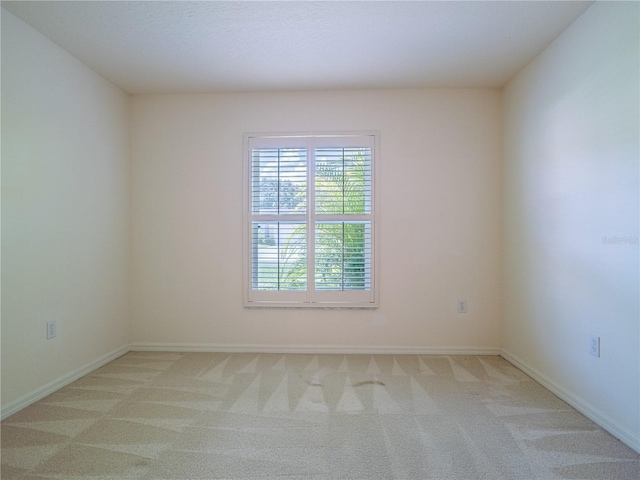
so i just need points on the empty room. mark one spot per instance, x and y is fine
(320, 240)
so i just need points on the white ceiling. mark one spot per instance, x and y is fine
(214, 46)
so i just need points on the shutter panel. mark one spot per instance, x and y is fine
(343, 180)
(278, 180)
(342, 246)
(343, 255)
(279, 248)
(279, 256)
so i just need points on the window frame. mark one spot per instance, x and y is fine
(310, 298)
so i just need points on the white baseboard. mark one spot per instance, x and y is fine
(631, 439)
(311, 349)
(51, 387)
(57, 384)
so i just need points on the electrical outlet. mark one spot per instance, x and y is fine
(594, 346)
(462, 306)
(51, 329)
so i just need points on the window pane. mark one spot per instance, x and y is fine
(278, 180)
(279, 256)
(343, 256)
(343, 180)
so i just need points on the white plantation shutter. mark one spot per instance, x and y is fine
(342, 236)
(278, 198)
(278, 180)
(343, 180)
(280, 256)
(310, 221)
(343, 256)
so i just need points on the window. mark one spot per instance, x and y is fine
(310, 221)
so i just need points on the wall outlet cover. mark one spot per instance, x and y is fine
(594, 345)
(52, 329)
(462, 306)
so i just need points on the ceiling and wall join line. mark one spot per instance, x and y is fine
(206, 47)
(439, 218)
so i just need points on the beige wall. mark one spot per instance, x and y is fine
(64, 213)
(440, 219)
(570, 180)
(571, 197)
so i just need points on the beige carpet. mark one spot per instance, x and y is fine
(210, 416)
